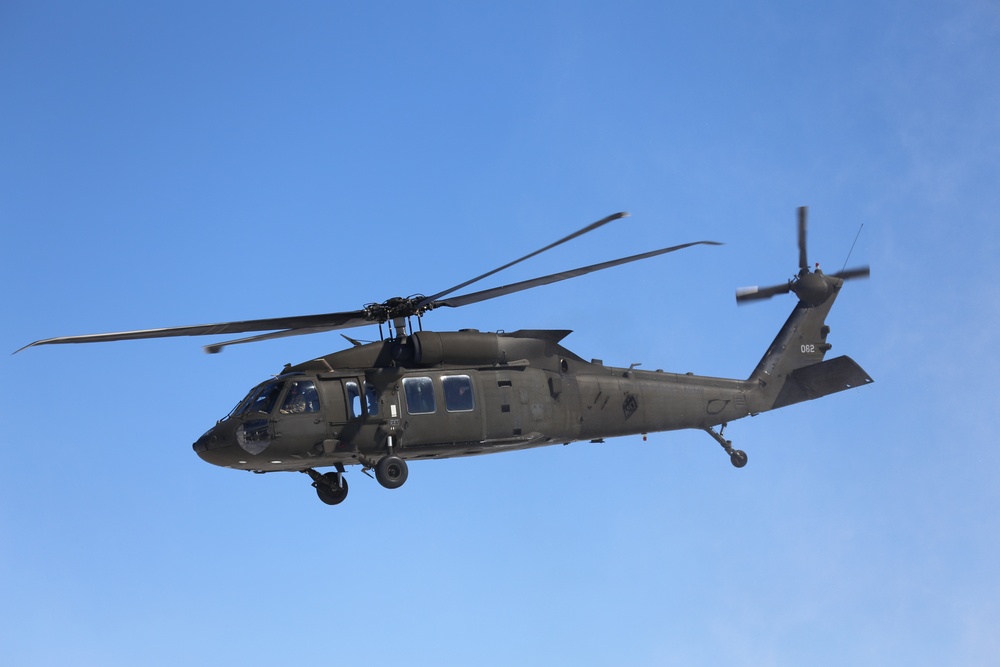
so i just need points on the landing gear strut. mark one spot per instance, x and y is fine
(736, 456)
(331, 487)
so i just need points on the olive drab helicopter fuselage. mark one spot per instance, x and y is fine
(428, 395)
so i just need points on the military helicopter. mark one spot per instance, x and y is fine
(419, 394)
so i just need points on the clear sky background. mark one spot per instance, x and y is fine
(170, 163)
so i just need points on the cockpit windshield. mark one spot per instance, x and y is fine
(265, 399)
(301, 397)
(242, 405)
(260, 399)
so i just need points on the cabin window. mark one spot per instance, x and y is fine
(301, 398)
(458, 393)
(419, 395)
(354, 400)
(266, 398)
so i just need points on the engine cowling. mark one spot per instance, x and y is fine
(456, 347)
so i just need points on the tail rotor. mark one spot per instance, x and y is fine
(813, 287)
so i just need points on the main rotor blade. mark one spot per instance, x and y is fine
(476, 297)
(215, 348)
(589, 228)
(326, 321)
(803, 260)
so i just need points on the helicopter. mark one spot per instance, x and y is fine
(418, 394)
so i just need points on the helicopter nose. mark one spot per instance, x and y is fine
(212, 445)
(205, 442)
(218, 446)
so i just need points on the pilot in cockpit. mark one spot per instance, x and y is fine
(301, 398)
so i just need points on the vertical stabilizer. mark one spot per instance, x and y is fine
(793, 370)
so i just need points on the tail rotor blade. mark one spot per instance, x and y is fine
(860, 272)
(746, 294)
(803, 259)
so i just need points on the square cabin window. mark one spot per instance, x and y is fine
(458, 393)
(419, 395)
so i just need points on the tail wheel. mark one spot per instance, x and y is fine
(391, 472)
(738, 458)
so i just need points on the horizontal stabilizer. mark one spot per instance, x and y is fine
(822, 379)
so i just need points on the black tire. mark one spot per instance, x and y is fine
(738, 458)
(391, 472)
(328, 490)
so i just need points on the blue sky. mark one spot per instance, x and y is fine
(180, 163)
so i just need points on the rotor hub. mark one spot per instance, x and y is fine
(813, 289)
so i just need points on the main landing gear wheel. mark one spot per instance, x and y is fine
(329, 491)
(391, 472)
(331, 487)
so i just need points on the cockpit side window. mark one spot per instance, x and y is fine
(301, 398)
